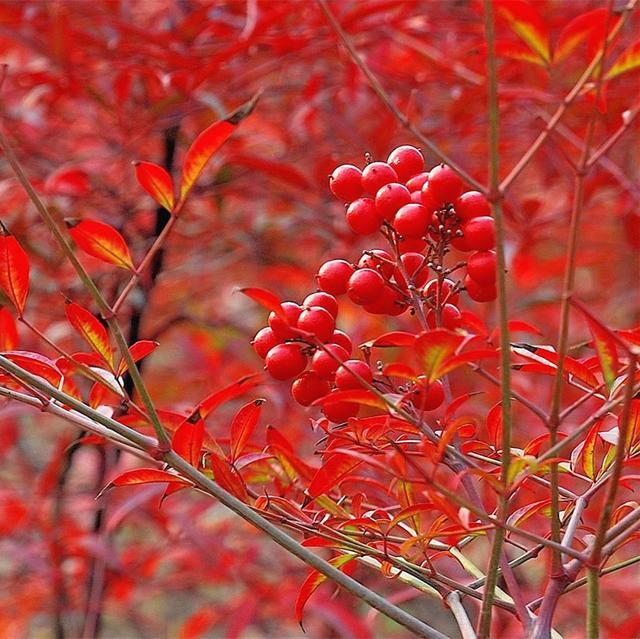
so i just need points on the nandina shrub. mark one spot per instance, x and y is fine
(474, 445)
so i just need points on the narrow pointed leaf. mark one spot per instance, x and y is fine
(526, 22)
(243, 425)
(144, 476)
(228, 478)
(207, 143)
(138, 351)
(605, 346)
(434, 348)
(101, 241)
(333, 471)
(267, 299)
(233, 390)
(91, 330)
(629, 60)
(8, 331)
(156, 182)
(394, 338)
(586, 26)
(188, 440)
(14, 270)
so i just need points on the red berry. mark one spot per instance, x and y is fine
(407, 161)
(416, 197)
(364, 286)
(430, 291)
(444, 184)
(285, 361)
(412, 245)
(324, 362)
(390, 302)
(376, 175)
(427, 397)
(378, 260)
(334, 275)
(428, 200)
(362, 216)
(318, 321)
(411, 220)
(342, 339)
(460, 243)
(480, 292)
(345, 182)
(264, 341)
(480, 233)
(450, 317)
(471, 204)
(415, 267)
(337, 412)
(481, 267)
(281, 329)
(417, 181)
(320, 298)
(390, 198)
(309, 387)
(346, 381)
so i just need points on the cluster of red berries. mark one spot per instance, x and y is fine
(421, 215)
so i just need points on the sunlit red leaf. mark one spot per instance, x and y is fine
(155, 180)
(233, 390)
(526, 22)
(633, 428)
(394, 338)
(588, 451)
(228, 478)
(334, 469)
(494, 426)
(434, 348)
(138, 351)
(207, 143)
(267, 299)
(519, 516)
(144, 476)
(518, 51)
(629, 60)
(101, 241)
(8, 331)
(91, 330)
(605, 346)
(587, 26)
(313, 580)
(37, 365)
(243, 425)
(188, 440)
(14, 270)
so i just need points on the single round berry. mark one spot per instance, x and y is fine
(460, 242)
(325, 361)
(390, 302)
(444, 184)
(417, 181)
(430, 291)
(378, 260)
(317, 321)
(428, 200)
(364, 286)
(481, 267)
(471, 204)
(309, 387)
(338, 412)
(376, 175)
(427, 396)
(264, 341)
(345, 380)
(342, 339)
(415, 268)
(416, 197)
(320, 298)
(412, 245)
(362, 217)
(411, 220)
(285, 361)
(450, 317)
(334, 275)
(390, 198)
(480, 233)
(345, 182)
(281, 329)
(480, 292)
(407, 161)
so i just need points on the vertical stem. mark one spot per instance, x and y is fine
(593, 603)
(484, 621)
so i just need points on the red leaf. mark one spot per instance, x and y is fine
(207, 143)
(628, 60)
(526, 22)
(243, 425)
(188, 440)
(494, 426)
(91, 330)
(267, 299)
(144, 476)
(67, 181)
(156, 182)
(394, 338)
(228, 478)
(100, 240)
(8, 331)
(140, 349)
(633, 429)
(37, 365)
(333, 471)
(590, 25)
(236, 389)
(605, 346)
(14, 270)
(313, 580)
(284, 172)
(434, 349)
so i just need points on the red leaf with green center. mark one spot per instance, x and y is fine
(628, 60)
(243, 425)
(14, 270)
(91, 330)
(605, 346)
(156, 182)
(207, 143)
(101, 241)
(434, 348)
(587, 26)
(526, 22)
